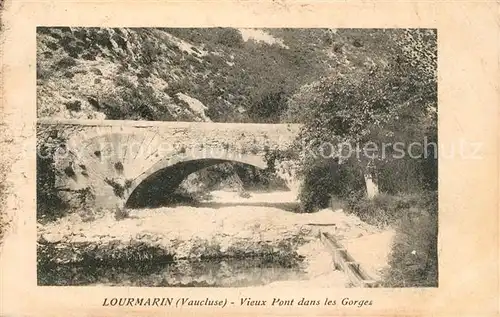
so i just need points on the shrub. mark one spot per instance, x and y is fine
(66, 62)
(150, 52)
(384, 209)
(414, 259)
(400, 175)
(49, 204)
(90, 56)
(96, 71)
(68, 74)
(65, 40)
(119, 39)
(123, 68)
(268, 106)
(132, 102)
(324, 179)
(102, 39)
(144, 73)
(80, 34)
(42, 72)
(91, 214)
(318, 183)
(75, 105)
(122, 81)
(350, 181)
(73, 51)
(53, 46)
(229, 37)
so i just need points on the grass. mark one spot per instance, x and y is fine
(385, 210)
(413, 261)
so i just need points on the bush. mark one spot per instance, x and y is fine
(384, 209)
(229, 37)
(73, 51)
(96, 71)
(319, 181)
(325, 179)
(42, 72)
(122, 81)
(122, 42)
(66, 62)
(350, 182)
(68, 74)
(268, 107)
(53, 46)
(102, 38)
(400, 175)
(150, 52)
(414, 259)
(144, 73)
(49, 204)
(90, 55)
(75, 105)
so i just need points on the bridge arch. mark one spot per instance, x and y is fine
(164, 177)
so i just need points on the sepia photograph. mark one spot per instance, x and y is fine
(237, 157)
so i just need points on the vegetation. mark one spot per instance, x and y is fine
(49, 204)
(413, 259)
(143, 69)
(390, 105)
(350, 88)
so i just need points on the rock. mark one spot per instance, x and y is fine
(52, 237)
(195, 106)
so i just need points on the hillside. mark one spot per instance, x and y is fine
(219, 74)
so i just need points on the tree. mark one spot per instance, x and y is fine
(229, 37)
(268, 107)
(386, 102)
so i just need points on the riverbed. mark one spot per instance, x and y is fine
(228, 242)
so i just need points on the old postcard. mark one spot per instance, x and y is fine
(280, 158)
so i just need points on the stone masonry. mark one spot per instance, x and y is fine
(110, 159)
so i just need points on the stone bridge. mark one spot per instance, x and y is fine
(108, 162)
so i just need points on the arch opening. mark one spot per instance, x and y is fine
(159, 188)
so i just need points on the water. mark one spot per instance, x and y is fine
(181, 273)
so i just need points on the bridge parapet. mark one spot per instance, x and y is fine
(246, 137)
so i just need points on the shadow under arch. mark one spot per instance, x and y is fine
(156, 186)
